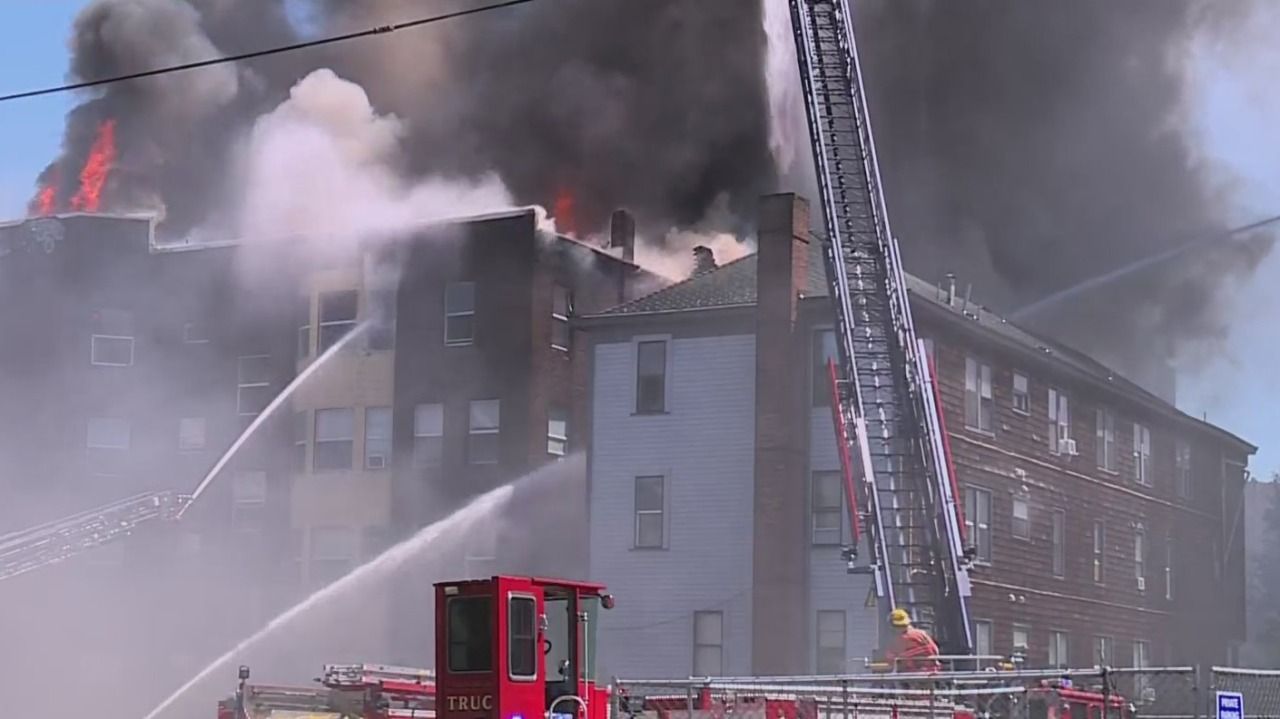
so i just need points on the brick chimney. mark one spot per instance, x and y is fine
(704, 260)
(622, 233)
(780, 631)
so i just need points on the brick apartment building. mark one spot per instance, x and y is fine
(1107, 524)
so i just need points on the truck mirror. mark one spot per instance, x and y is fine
(606, 601)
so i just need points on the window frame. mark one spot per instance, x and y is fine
(1058, 543)
(1020, 399)
(662, 393)
(1099, 552)
(382, 410)
(239, 503)
(1142, 454)
(1104, 650)
(512, 598)
(819, 635)
(450, 602)
(990, 639)
(1182, 468)
(474, 431)
(186, 334)
(1059, 645)
(975, 529)
(660, 511)
(719, 647)
(128, 434)
(242, 385)
(1105, 457)
(93, 350)
(815, 510)
(563, 437)
(820, 382)
(561, 320)
(1169, 554)
(979, 390)
(1059, 414)
(1140, 550)
(451, 314)
(183, 426)
(420, 435)
(317, 442)
(1025, 630)
(1025, 501)
(322, 324)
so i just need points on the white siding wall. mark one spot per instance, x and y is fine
(831, 588)
(704, 445)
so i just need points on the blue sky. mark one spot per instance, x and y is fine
(1236, 117)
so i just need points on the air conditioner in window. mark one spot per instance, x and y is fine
(377, 461)
(1068, 447)
(1142, 584)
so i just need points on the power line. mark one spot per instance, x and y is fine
(379, 30)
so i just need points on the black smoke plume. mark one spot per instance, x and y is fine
(1028, 146)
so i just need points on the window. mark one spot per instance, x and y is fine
(557, 431)
(253, 384)
(1058, 650)
(977, 521)
(1060, 441)
(111, 351)
(335, 439)
(1106, 440)
(301, 430)
(191, 433)
(382, 318)
(651, 520)
(1168, 568)
(1059, 538)
(978, 403)
(651, 377)
(1103, 654)
(1141, 660)
(1142, 454)
(304, 341)
(1140, 557)
(982, 637)
(522, 657)
(561, 308)
(1021, 398)
(470, 634)
(482, 441)
(195, 333)
(337, 316)
(248, 499)
(708, 644)
(1021, 517)
(459, 313)
(1021, 639)
(830, 643)
(107, 433)
(824, 349)
(377, 437)
(1182, 468)
(333, 553)
(827, 507)
(1099, 551)
(428, 435)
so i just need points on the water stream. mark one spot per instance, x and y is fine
(362, 578)
(270, 410)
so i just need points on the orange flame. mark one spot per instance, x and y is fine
(563, 212)
(45, 201)
(96, 169)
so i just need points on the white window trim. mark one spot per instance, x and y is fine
(556, 317)
(1025, 500)
(665, 511)
(840, 509)
(241, 385)
(1142, 454)
(1182, 470)
(666, 376)
(386, 460)
(1169, 550)
(1105, 435)
(321, 324)
(696, 644)
(1025, 393)
(991, 633)
(316, 442)
(93, 346)
(1058, 545)
(562, 438)
(1098, 554)
(979, 397)
(472, 431)
(1013, 639)
(186, 334)
(1140, 552)
(1060, 427)
(468, 313)
(1055, 648)
(977, 527)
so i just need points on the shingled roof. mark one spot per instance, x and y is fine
(734, 285)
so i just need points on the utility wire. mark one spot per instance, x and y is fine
(379, 30)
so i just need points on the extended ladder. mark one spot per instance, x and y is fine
(886, 411)
(30, 549)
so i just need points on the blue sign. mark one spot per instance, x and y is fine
(1230, 705)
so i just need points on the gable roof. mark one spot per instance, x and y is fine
(730, 285)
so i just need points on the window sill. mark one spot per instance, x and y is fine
(650, 549)
(459, 343)
(486, 463)
(983, 432)
(1023, 412)
(1111, 472)
(558, 348)
(661, 413)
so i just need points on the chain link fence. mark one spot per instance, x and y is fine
(1094, 693)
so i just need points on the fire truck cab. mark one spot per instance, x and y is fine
(518, 648)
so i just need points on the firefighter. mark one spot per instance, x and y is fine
(913, 650)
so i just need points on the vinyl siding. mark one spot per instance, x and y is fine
(703, 444)
(830, 586)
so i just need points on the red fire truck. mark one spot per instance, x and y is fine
(525, 648)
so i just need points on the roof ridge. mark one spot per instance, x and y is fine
(681, 283)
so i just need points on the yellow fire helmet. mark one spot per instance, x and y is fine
(899, 618)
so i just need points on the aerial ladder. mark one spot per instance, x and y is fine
(30, 549)
(898, 480)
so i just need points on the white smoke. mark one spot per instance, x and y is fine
(318, 176)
